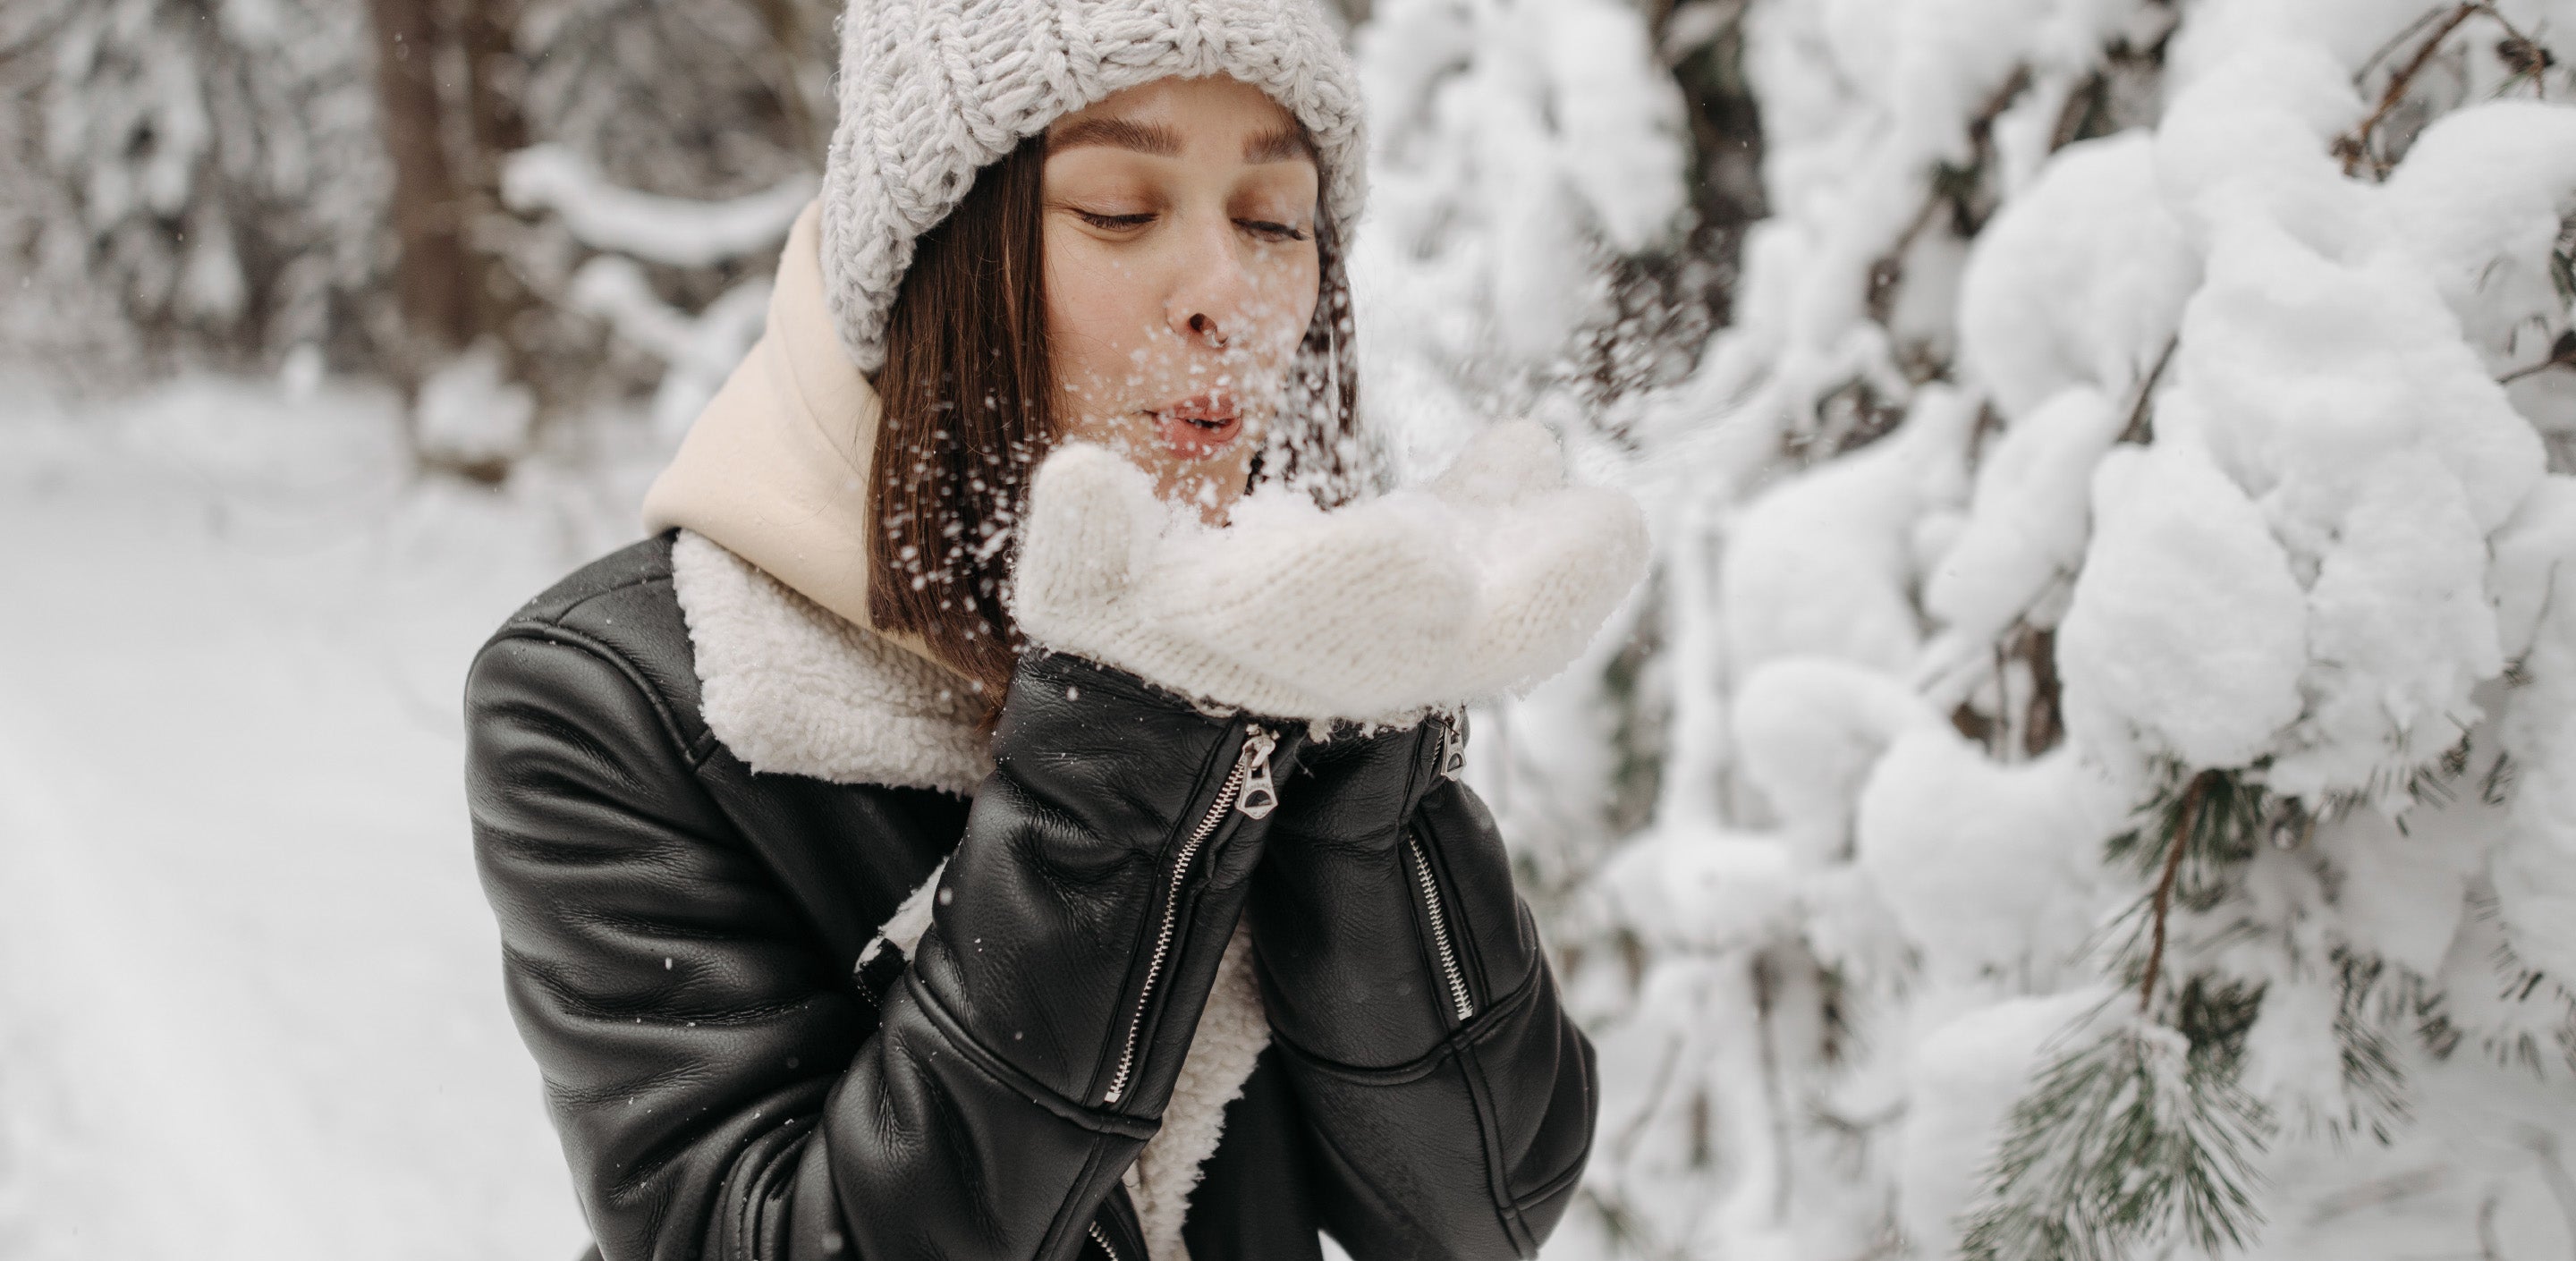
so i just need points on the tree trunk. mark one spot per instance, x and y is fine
(435, 277)
(495, 78)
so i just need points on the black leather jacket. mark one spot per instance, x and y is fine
(679, 936)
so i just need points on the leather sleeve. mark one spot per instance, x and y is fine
(1450, 1099)
(721, 1088)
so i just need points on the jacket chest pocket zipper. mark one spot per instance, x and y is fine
(1441, 945)
(1107, 1248)
(1248, 787)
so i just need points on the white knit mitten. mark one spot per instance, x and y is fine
(1485, 581)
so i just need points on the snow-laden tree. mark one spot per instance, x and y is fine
(2109, 706)
(229, 180)
(187, 178)
(1529, 186)
(660, 152)
(1521, 146)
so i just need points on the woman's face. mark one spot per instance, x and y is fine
(1181, 273)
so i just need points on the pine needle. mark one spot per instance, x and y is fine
(2129, 1142)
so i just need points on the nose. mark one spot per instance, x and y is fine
(1212, 293)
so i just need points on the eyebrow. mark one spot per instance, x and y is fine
(1278, 145)
(1120, 133)
(1275, 145)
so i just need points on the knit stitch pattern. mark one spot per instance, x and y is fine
(931, 91)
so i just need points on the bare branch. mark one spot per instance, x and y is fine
(2354, 146)
(2184, 823)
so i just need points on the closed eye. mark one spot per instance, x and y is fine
(1269, 231)
(1117, 223)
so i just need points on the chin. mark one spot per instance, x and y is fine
(1211, 485)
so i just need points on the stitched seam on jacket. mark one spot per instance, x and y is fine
(557, 617)
(1010, 1078)
(1400, 1075)
(695, 752)
(1065, 1221)
(583, 640)
(1473, 1033)
(1498, 1180)
(1557, 1184)
(1564, 1179)
(1521, 996)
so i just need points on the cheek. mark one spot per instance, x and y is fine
(1289, 294)
(1085, 308)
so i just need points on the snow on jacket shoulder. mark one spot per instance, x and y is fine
(682, 924)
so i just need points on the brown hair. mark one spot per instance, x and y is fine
(969, 410)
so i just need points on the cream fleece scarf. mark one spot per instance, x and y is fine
(770, 494)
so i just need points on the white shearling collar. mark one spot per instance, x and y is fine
(793, 688)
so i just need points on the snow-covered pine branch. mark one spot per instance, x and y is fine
(676, 142)
(187, 182)
(625, 229)
(697, 351)
(1524, 153)
(2086, 432)
(2146, 1133)
(215, 181)
(673, 231)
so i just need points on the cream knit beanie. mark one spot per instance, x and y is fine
(933, 90)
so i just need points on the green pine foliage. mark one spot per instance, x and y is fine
(2225, 819)
(2138, 1137)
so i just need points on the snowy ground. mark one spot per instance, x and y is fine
(249, 987)
(249, 1000)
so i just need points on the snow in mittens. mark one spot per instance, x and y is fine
(1486, 581)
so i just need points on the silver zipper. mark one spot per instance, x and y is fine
(1453, 749)
(1440, 931)
(1101, 1237)
(1247, 787)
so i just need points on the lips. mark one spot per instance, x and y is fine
(1198, 427)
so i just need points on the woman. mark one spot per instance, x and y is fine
(899, 855)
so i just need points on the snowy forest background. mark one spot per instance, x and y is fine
(2093, 774)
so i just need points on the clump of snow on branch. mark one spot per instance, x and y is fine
(2108, 657)
(2187, 632)
(674, 231)
(697, 351)
(1521, 150)
(627, 234)
(1519, 146)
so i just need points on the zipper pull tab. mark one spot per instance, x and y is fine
(1453, 749)
(1259, 795)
